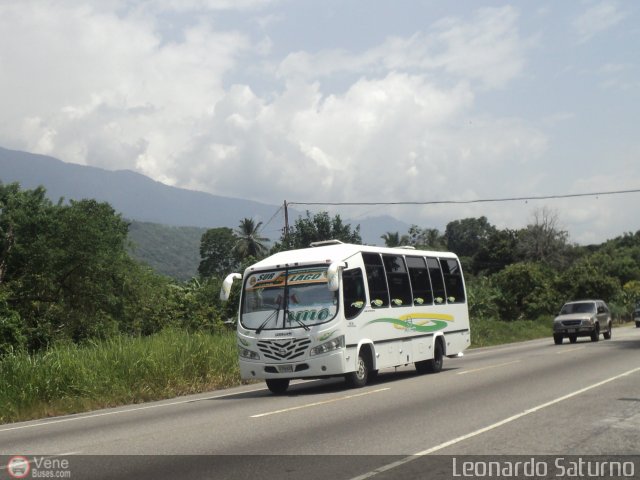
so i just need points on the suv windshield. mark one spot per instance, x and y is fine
(584, 307)
(270, 302)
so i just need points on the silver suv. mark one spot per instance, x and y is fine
(582, 318)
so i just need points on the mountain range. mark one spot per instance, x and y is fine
(143, 199)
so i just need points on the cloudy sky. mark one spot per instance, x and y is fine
(341, 101)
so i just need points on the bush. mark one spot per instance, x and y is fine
(584, 280)
(12, 335)
(525, 291)
(482, 297)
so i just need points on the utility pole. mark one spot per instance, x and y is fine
(286, 222)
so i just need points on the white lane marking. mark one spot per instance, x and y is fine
(480, 431)
(129, 410)
(568, 350)
(487, 368)
(315, 404)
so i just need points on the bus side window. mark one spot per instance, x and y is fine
(398, 281)
(452, 280)
(437, 282)
(378, 290)
(353, 292)
(420, 283)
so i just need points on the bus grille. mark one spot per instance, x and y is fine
(284, 349)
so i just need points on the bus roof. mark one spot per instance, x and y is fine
(334, 253)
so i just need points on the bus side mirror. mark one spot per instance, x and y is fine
(333, 277)
(225, 291)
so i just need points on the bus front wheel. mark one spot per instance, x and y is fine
(358, 378)
(277, 385)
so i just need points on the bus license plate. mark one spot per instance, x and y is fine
(285, 369)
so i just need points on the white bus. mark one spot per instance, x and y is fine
(350, 310)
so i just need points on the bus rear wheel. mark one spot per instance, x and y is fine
(277, 385)
(435, 364)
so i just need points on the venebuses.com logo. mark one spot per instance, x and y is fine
(18, 466)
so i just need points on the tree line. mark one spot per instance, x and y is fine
(531, 272)
(511, 274)
(66, 274)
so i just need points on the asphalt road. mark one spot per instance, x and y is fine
(532, 398)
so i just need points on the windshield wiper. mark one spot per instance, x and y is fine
(298, 321)
(276, 312)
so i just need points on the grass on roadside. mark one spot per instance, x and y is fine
(487, 332)
(71, 378)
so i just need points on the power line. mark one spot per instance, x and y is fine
(484, 200)
(271, 219)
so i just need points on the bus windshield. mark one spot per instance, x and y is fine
(304, 299)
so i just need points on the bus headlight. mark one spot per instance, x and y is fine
(249, 354)
(329, 346)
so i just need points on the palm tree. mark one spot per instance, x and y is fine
(393, 239)
(250, 243)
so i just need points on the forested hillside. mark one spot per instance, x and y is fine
(139, 198)
(135, 196)
(171, 251)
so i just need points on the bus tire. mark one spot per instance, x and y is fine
(435, 364)
(422, 366)
(358, 379)
(277, 385)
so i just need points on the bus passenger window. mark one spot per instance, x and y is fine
(437, 282)
(420, 283)
(378, 291)
(398, 281)
(353, 292)
(452, 280)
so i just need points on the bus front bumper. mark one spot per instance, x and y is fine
(327, 365)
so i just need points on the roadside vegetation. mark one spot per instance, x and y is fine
(69, 378)
(84, 326)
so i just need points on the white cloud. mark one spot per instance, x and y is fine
(395, 138)
(596, 19)
(103, 83)
(102, 89)
(487, 49)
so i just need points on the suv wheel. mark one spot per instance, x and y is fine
(607, 334)
(558, 339)
(595, 335)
